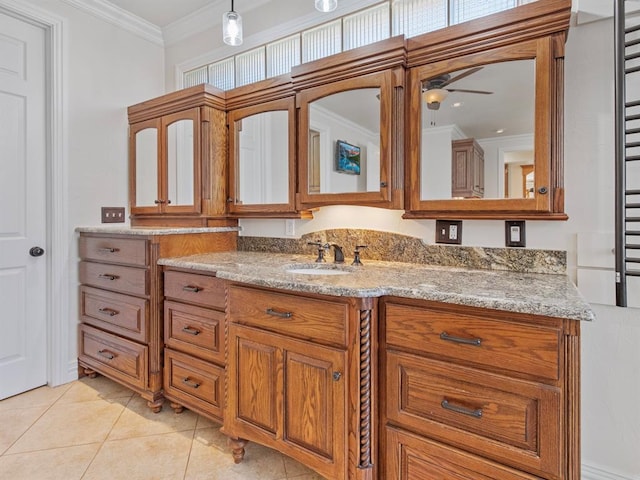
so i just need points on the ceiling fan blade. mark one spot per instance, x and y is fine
(467, 91)
(462, 75)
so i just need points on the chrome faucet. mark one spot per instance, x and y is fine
(322, 247)
(338, 254)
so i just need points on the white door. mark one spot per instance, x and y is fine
(23, 221)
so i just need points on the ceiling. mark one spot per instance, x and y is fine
(163, 12)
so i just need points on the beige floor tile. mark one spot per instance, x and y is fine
(14, 423)
(211, 460)
(35, 398)
(89, 389)
(67, 463)
(137, 420)
(298, 471)
(204, 422)
(156, 457)
(65, 425)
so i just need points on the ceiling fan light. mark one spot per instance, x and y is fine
(232, 28)
(326, 5)
(435, 95)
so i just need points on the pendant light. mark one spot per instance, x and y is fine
(232, 27)
(326, 5)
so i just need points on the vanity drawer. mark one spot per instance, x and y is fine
(292, 315)
(114, 356)
(128, 251)
(194, 382)
(528, 349)
(131, 280)
(194, 330)
(409, 457)
(120, 314)
(495, 416)
(204, 290)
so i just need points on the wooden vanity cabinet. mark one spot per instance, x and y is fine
(121, 292)
(299, 378)
(177, 159)
(194, 338)
(475, 393)
(467, 169)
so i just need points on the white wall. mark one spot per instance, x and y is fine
(105, 69)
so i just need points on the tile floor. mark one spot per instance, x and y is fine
(95, 429)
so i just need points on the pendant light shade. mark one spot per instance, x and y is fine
(326, 5)
(232, 27)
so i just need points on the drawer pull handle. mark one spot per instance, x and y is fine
(106, 354)
(477, 413)
(275, 313)
(191, 288)
(108, 276)
(191, 330)
(108, 311)
(190, 383)
(108, 250)
(466, 341)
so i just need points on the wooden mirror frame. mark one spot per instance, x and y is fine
(267, 209)
(379, 65)
(535, 31)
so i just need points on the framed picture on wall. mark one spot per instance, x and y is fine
(347, 158)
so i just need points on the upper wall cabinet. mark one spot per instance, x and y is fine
(485, 98)
(262, 166)
(350, 127)
(177, 159)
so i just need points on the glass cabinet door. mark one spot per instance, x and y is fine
(144, 148)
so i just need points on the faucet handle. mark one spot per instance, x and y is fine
(356, 255)
(321, 249)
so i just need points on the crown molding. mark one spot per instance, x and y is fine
(115, 15)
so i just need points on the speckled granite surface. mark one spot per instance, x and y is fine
(542, 294)
(121, 230)
(401, 248)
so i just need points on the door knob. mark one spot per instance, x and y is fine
(36, 251)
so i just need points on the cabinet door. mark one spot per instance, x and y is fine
(180, 175)
(144, 165)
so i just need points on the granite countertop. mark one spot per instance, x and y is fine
(128, 230)
(540, 294)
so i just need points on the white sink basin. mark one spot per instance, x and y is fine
(317, 271)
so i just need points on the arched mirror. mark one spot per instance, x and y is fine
(480, 142)
(145, 151)
(180, 162)
(261, 157)
(345, 140)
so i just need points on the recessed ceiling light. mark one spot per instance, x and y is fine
(456, 105)
(500, 130)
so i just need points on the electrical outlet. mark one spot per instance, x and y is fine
(514, 233)
(112, 214)
(449, 231)
(289, 227)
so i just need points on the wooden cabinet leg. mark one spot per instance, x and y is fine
(90, 373)
(237, 448)
(155, 406)
(177, 408)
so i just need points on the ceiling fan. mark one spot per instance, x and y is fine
(434, 91)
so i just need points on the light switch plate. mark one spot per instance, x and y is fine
(514, 231)
(449, 231)
(112, 215)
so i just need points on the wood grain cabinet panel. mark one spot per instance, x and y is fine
(127, 251)
(299, 378)
(479, 340)
(114, 312)
(131, 280)
(194, 338)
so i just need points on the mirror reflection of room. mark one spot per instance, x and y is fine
(344, 142)
(477, 136)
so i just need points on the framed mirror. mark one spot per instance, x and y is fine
(345, 138)
(480, 142)
(262, 158)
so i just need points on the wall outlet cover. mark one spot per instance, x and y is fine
(449, 231)
(514, 231)
(112, 215)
